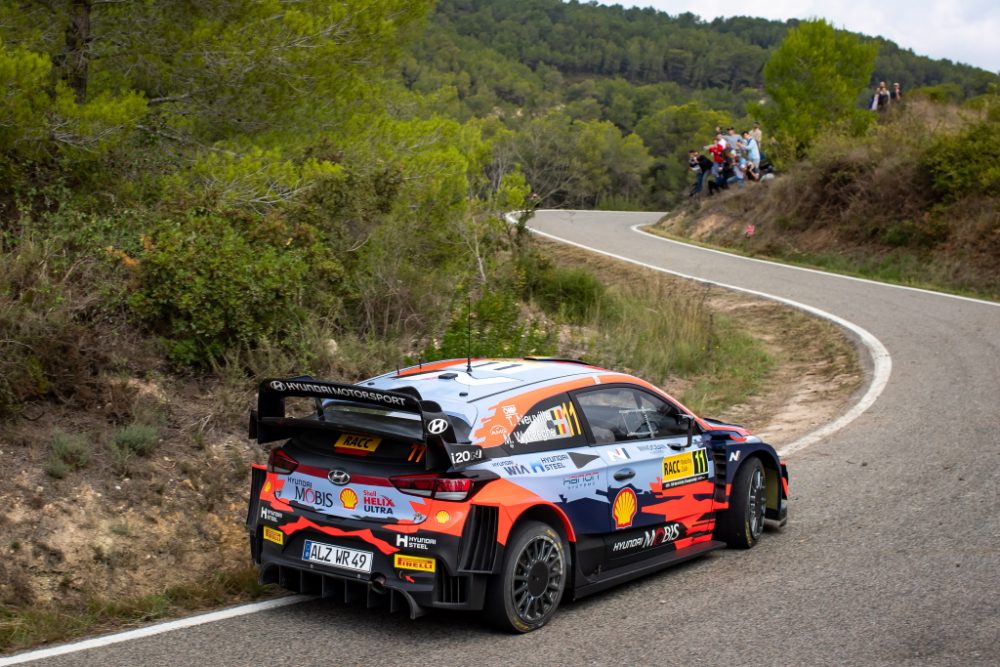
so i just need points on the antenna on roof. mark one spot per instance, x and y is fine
(468, 349)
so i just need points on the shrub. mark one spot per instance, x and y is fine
(131, 441)
(136, 439)
(570, 292)
(69, 452)
(964, 164)
(206, 289)
(52, 319)
(495, 327)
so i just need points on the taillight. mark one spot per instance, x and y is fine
(280, 462)
(433, 486)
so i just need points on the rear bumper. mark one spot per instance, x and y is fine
(414, 570)
(345, 591)
(386, 585)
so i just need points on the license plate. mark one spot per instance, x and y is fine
(342, 557)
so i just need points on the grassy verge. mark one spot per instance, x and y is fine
(22, 627)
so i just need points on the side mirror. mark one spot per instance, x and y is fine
(689, 421)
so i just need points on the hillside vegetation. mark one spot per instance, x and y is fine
(916, 200)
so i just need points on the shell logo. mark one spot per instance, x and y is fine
(624, 508)
(348, 499)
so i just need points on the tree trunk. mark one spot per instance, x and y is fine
(77, 61)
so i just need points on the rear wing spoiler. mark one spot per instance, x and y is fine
(269, 423)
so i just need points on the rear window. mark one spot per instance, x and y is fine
(377, 435)
(362, 417)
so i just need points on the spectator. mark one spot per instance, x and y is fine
(732, 139)
(883, 96)
(756, 134)
(718, 153)
(739, 166)
(752, 149)
(721, 181)
(753, 174)
(897, 93)
(700, 165)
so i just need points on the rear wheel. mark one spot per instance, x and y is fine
(527, 592)
(742, 524)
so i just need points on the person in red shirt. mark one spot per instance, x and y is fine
(718, 153)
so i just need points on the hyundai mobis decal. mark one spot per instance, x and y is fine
(650, 538)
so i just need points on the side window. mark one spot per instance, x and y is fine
(614, 415)
(661, 416)
(551, 424)
(618, 414)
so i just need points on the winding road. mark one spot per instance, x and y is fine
(891, 555)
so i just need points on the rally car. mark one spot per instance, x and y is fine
(495, 485)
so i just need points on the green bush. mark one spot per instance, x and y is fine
(569, 292)
(206, 289)
(133, 440)
(137, 439)
(69, 452)
(55, 328)
(965, 164)
(498, 329)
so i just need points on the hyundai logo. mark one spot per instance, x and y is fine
(437, 426)
(339, 477)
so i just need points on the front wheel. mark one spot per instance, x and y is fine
(742, 524)
(526, 593)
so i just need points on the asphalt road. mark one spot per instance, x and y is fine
(891, 555)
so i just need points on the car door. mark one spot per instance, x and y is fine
(659, 485)
(551, 458)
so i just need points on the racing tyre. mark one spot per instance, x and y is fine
(527, 592)
(742, 524)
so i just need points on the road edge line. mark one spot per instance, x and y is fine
(151, 630)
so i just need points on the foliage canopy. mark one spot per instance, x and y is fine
(814, 78)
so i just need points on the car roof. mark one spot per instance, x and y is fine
(451, 384)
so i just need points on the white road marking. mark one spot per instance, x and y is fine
(151, 630)
(881, 360)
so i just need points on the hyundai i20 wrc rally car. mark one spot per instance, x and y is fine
(495, 485)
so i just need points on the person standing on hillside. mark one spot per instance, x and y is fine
(883, 96)
(897, 93)
(758, 136)
(732, 139)
(752, 149)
